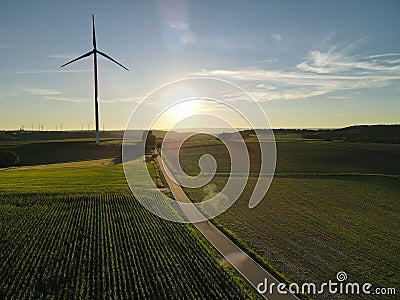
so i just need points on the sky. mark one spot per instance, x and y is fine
(308, 64)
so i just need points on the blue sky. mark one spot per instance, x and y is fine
(309, 64)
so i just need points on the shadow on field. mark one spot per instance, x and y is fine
(63, 151)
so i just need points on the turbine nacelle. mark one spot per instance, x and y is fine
(94, 51)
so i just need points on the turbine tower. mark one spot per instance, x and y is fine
(96, 87)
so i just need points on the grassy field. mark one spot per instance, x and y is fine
(74, 231)
(331, 207)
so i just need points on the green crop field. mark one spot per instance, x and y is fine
(331, 207)
(74, 231)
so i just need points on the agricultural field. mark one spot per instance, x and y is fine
(331, 207)
(73, 230)
(55, 151)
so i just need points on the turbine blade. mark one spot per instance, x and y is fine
(84, 55)
(106, 56)
(94, 33)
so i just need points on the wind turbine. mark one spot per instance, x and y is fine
(96, 87)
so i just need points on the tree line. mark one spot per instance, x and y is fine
(361, 133)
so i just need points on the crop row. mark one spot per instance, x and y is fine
(102, 246)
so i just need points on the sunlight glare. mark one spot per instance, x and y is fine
(183, 109)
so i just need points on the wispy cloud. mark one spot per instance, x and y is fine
(63, 56)
(6, 46)
(265, 61)
(183, 29)
(51, 95)
(9, 93)
(66, 99)
(178, 25)
(48, 94)
(124, 99)
(41, 92)
(344, 96)
(384, 55)
(277, 37)
(335, 62)
(331, 74)
(49, 71)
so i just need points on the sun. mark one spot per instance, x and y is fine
(184, 109)
(181, 102)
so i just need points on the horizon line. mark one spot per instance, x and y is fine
(198, 128)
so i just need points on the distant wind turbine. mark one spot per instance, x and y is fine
(96, 87)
